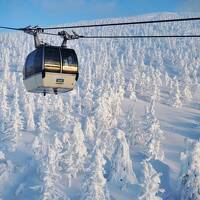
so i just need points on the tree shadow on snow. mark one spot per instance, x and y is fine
(189, 130)
(165, 178)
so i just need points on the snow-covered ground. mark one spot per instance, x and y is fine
(129, 130)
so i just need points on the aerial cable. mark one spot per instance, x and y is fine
(25, 29)
(141, 36)
(11, 28)
(30, 29)
(103, 25)
(77, 36)
(124, 23)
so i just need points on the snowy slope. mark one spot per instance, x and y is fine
(120, 133)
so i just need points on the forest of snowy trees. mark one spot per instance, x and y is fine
(105, 139)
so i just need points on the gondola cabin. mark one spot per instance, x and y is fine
(50, 69)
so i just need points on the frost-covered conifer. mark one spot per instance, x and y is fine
(170, 87)
(94, 186)
(195, 77)
(156, 89)
(60, 105)
(90, 129)
(78, 151)
(66, 166)
(167, 79)
(158, 77)
(29, 109)
(187, 87)
(152, 134)
(131, 89)
(151, 183)
(187, 93)
(57, 144)
(2, 156)
(4, 109)
(87, 99)
(190, 177)
(30, 118)
(175, 96)
(142, 83)
(76, 104)
(6, 72)
(11, 129)
(6, 168)
(48, 157)
(40, 143)
(42, 124)
(128, 124)
(108, 109)
(51, 177)
(39, 147)
(122, 170)
(17, 116)
(104, 113)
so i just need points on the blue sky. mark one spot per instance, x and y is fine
(20, 13)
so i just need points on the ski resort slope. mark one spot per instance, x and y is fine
(128, 131)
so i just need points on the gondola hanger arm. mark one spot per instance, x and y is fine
(66, 36)
(34, 31)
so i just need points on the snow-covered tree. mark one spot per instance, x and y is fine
(6, 169)
(150, 183)
(40, 143)
(190, 175)
(13, 82)
(4, 109)
(18, 121)
(39, 147)
(175, 96)
(51, 177)
(30, 109)
(66, 166)
(156, 85)
(187, 94)
(30, 120)
(11, 129)
(166, 79)
(57, 144)
(90, 130)
(42, 124)
(60, 105)
(122, 170)
(79, 151)
(129, 125)
(127, 122)
(104, 113)
(187, 83)
(87, 99)
(131, 89)
(152, 134)
(156, 91)
(94, 186)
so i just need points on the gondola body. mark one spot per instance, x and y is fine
(50, 69)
